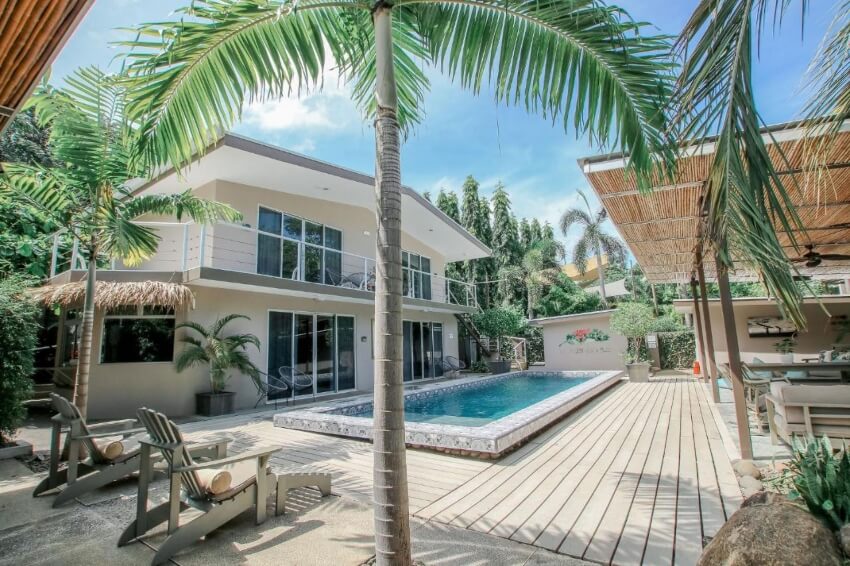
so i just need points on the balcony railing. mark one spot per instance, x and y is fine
(230, 247)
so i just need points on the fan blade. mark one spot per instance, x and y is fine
(835, 256)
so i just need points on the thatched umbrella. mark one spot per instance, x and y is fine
(112, 294)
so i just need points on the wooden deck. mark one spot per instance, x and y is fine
(638, 476)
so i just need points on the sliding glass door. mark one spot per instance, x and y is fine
(311, 353)
(423, 350)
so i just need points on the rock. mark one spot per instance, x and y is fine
(844, 539)
(749, 485)
(746, 468)
(769, 529)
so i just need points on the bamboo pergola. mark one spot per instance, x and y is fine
(32, 32)
(663, 229)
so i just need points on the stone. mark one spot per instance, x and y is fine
(746, 468)
(770, 529)
(749, 485)
(844, 539)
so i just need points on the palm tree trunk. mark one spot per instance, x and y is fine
(81, 385)
(601, 278)
(392, 514)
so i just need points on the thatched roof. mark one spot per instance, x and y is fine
(112, 294)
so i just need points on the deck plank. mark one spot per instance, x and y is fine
(711, 503)
(688, 544)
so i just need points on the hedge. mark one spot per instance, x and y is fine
(18, 334)
(677, 349)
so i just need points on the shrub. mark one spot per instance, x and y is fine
(677, 349)
(634, 321)
(822, 480)
(18, 336)
(499, 322)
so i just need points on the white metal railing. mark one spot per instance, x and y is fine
(231, 247)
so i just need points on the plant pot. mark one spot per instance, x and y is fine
(215, 404)
(499, 366)
(19, 448)
(788, 358)
(638, 372)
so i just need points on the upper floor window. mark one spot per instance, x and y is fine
(295, 248)
(138, 334)
(416, 270)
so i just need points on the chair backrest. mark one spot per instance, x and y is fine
(164, 432)
(455, 363)
(295, 379)
(71, 413)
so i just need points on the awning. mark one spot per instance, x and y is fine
(111, 294)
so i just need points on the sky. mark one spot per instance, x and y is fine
(462, 134)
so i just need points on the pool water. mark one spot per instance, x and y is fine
(477, 406)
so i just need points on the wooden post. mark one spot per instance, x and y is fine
(709, 338)
(734, 361)
(700, 335)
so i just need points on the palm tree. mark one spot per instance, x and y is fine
(536, 271)
(88, 192)
(220, 353)
(745, 197)
(594, 240)
(577, 60)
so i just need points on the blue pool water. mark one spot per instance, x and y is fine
(477, 406)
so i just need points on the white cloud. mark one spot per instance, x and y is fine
(306, 146)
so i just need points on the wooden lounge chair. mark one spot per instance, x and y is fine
(113, 452)
(809, 411)
(250, 484)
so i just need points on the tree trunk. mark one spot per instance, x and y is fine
(601, 278)
(391, 507)
(81, 385)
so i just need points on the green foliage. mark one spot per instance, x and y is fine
(498, 322)
(822, 480)
(634, 321)
(26, 141)
(18, 336)
(479, 366)
(677, 349)
(669, 321)
(785, 346)
(221, 353)
(537, 271)
(565, 297)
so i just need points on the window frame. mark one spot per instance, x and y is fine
(140, 314)
(409, 270)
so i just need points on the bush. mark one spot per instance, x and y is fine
(18, 336)
(822, 480)
(677, 349)
(499, 322)
(634, 321)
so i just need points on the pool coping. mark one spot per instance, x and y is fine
(490, 439)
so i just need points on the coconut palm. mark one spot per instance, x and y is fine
(88, 193)
(576, 61)
(221, 353)
(536, 271)
(593, 241)
(746, 199)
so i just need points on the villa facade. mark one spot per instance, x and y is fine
(300, 265)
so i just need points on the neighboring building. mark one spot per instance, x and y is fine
(591, 272)
(612, 289)
(301, 266)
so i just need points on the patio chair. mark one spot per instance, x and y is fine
(452, 365)
(809, 411)
(112, 447)
(297, 381)
(221, 489)
(272, 386)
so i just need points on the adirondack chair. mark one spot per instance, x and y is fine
(193, 485)
(109, 459)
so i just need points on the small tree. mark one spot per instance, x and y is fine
(221, 353)
(499, 322)
(633, 320)
(18, 334)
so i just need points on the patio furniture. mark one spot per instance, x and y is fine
(359, 280)
(452, 365)
(824, 371)
(113, 452)
(809, 411)
(221, 489)
(296, 380)
(273, 385)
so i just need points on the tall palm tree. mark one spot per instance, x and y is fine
(536, 271)
(87, 193)
(578, 61)
(594, 240)
(745, 197)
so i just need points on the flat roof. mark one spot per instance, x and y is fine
(567, 317)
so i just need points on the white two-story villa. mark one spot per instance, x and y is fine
(300, 265)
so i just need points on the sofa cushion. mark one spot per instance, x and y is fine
(813, 394)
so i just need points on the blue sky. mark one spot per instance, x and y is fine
(461, 134)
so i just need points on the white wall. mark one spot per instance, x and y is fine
(561, 354)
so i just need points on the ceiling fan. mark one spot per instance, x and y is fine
(813, 259)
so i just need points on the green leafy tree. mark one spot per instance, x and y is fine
(526, 236)
(506, 250)
(634, 321)
(88, 195)
(593, 240)
(535, 272)
(565, 297)
(448, 203)
(18, 335)
(585, 64)
(486, 272)
(536, 231)
(499, 322)
(222, 354)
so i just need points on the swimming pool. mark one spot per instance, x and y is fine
(480, 416)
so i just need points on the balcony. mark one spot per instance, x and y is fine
(223, 251)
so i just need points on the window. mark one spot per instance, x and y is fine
(422, 345)
(294, 248)
(416, 272)
(138, 334)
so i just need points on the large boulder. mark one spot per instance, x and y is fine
(769, 529)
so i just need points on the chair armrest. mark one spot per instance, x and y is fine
(771, 399)
(124, 424)
(121, 433)
(253, 454)
(191, 446)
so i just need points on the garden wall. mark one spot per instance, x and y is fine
(581, 342)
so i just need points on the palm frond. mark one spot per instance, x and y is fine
(199, 328)
(580, 62)
(572, 217)
(190, 356)
(219, 324)
(582, 252)
(180, 205)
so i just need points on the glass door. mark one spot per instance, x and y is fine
(427, 353)
(304, 355)
(407, 356)
(437, 329)
(280, 351)
(345, 359)
(325, 354)
(417, 350)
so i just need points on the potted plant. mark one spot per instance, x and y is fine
(634, 321)
(497, 323)
(222, 354)
(786, 348)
